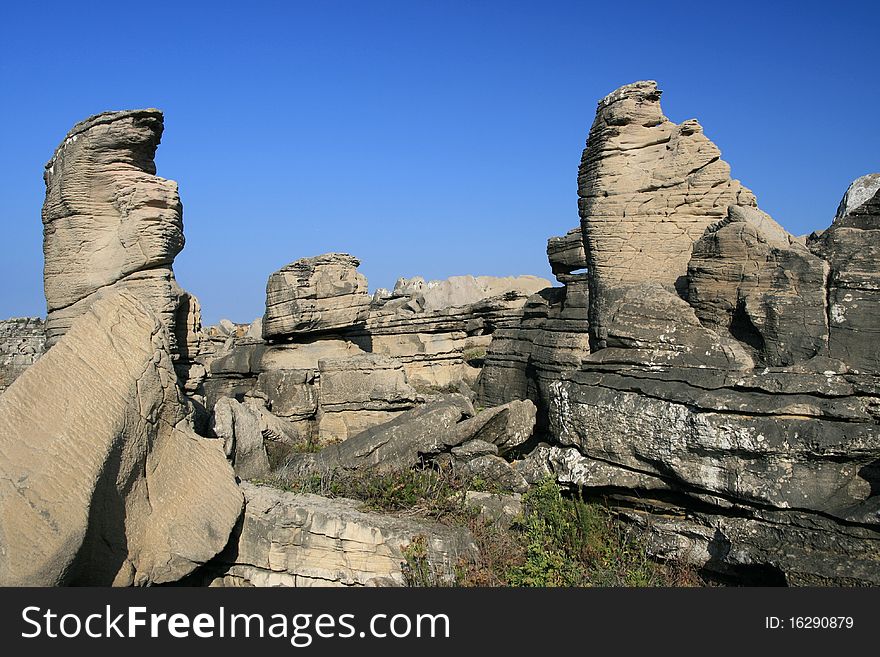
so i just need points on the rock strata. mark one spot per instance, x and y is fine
(324, 293)
(109, 223)
(287, 539)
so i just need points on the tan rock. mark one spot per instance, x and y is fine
(101, 480)
(109, 222)
(315, 294)
(307, 540)
(648, 190)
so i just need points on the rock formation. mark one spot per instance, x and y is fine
(22, 340)
(241, 430)
(725, 403)
(307, 540)
(109, 223)
(101, 480)
(325, 293)
(851, 246)
(445, 431)
(648, 190)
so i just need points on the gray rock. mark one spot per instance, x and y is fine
(493, 470)
(22, 340)
(239, 427)
(859, 206)
(748, 281)
(472, 449)
(852, 248)
(496, 508)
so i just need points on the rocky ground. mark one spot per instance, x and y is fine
(714, 380)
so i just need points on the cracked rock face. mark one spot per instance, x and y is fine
(324, 293)
(109, 223)
(852, 248)
(101, 480)
(22, 340)
(751, 280)
(648, 190)
(287, 539)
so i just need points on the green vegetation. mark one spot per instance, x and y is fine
(557, 541)
(474, 356)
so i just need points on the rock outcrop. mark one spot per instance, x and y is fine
(241, 430)
(109, 223)
(288, 539)
(648, 190)
(101, 480)
(748, 278)
(445, 431)
(22, 340)
(851, 246)
(325, 293)
(727, 403)
(439, 330)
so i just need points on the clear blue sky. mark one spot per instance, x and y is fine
(431, 138)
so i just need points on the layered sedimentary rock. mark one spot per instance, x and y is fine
(648, 190)
(727, 402)
(109, 223)
(101, 479)
(551, 335)
(751, 465)
(748, 278)
(360, 392)
(445, 431)
(566, 254)
(325, 293)
(306, 540)
(22, 340)
(851, 246)
(440, 330)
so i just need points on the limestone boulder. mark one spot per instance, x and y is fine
(648, 190)
(324, 293)
(302, 540)
(109, 223)
(749, 279)
(101, 479)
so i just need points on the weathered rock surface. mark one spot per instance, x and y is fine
(101, 479)
(109, 223)
(648, 190)
(287, 539)
(852, 248)
(22, 340)
(727, 402)
(360, 392)
(749, 279)
(239, 427)
(446, 426)
(325, 293)
(552, 336)
(440, 330)
(566, 254)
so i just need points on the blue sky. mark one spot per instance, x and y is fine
(429, 138)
